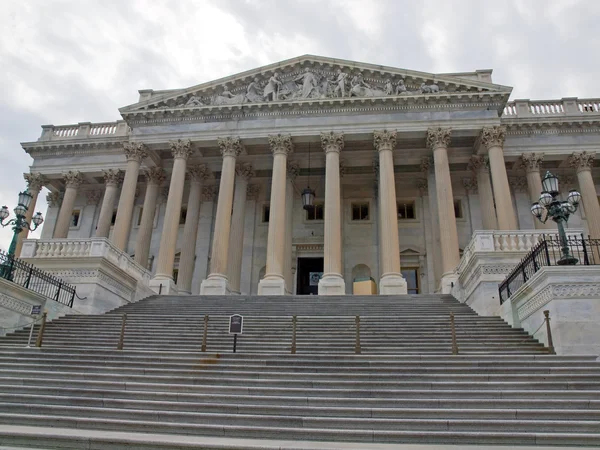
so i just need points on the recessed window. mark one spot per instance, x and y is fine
(113, 219)
(182, 216)
(266, 213)
(316, 213)
(458, 210)
(406, 210)
(75, 216)
(360, 211)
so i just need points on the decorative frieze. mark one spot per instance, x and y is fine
(135, 151)
(332, 142)
(438, 137)
(155, 175)
(112, 177)
(73, 179)
(532, 162)
(181, 148)
(245, 170)
(198, 173)
(582, 161)
(384, 140)
(281, 143)
(35, 181)
(493, 136)
(230, 146)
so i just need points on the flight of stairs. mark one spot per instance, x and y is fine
(405, 386)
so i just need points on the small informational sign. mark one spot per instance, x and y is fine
(314, 278)
(236, 324)
(36, 310)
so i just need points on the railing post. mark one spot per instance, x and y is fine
(357, 348)
(58, 291)
(72, 299)
(586, 259)
(547, 253)
(549, 332)
(453, 331)
(28, 277)
(122, 336)
(205, 333)
(294, 321)
(40, 336)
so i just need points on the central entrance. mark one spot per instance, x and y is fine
(309, 271)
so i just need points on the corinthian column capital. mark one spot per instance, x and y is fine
(35, 181)
(112, 177)
(135, 151)
(582, 161)
(209, 193)
(230, 146)
(198, 173)
(332, 142)
(155, 175)
(493, 136)
(532, 162)
(438, 137)
(281, 143)
(479, 163)
(93, 196)
(384, 140)
(54, 199)
(245, 170)
(181, 149)
(73, 178)
(293, 170)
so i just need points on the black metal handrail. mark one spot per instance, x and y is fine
(548, 252)
(36, 280)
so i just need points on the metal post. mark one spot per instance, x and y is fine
(122, 336)
(40, 336)
(549, 333)
(294, 320)
(357, 348)
(205, 334)
(453, 331)
(234, 342)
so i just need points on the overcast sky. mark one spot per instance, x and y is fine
(64, 62)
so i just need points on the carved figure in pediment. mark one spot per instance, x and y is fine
(227, 98)
(429, 88)
(309, 84)
(254, 92)
(193, 101)
(360, 88)
(401, 88)
(388, 87)
(271, 92)
(340, 87)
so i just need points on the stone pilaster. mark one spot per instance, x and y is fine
(181, 150)
(532, 163)
(73, 179)
(155, 176)
(198, 175)
(480, 167)
(35, 183)
(492, 138)
(216, 283)
(391, 282)
(135, 152)
(273, 282)
(244, 172)
(583, 163)
(293, 170)
(332, 282)
(438, 140)
(112, 179)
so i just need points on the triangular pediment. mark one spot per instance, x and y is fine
(310, 79)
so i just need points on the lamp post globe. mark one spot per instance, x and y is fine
(19, 223)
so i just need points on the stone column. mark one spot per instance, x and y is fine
(532, 162)
(198, 174)
(181, 151)
(112, 179)
(54, 200)
(438, 140)
(155, 176)
(135, 152)
(480, 166)
(492, 138)
(73, 180)
(293, 170)
(35, 183)
(216, 282)
(273, 282)
(243, 174)
(332, 282)
(391, 282)
(584, 162)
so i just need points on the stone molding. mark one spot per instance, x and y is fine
(332, 142)
(14, 304)
(582, 161)
(252, 191)
(293, 170)
(493, 136)
(73, 179)
(35, 181)
(198, 173)
(135, 151)
(155, 175)
(531, 162)
(281, 143)
(181, 148)
(245, 170)
(93, 196)
(230, 146)
(113, 177)
(438, 137)
(384, 140)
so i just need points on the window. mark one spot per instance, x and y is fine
(406, 210)
(182, 215)
(113, 219)
(316, 213)
(139, 222)
(75, 215)
(360, 211)
(458, 211)
(266, 212)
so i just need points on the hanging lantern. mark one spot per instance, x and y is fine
(308, 199)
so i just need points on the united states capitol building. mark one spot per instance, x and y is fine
(304, 176)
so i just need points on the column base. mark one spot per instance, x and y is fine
(163, 286)
(215, 284)
(332, 284)
(392, 284)
(447, 283)
(271, 286)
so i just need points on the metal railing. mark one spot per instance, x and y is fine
(548, 252)
(32, 278)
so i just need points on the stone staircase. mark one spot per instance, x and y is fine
(78, 391)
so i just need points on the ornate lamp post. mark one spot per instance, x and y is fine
(558, 211)
(19, 223)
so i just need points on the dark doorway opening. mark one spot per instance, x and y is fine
(309, 272)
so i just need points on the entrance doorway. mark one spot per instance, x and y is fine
(309, 271)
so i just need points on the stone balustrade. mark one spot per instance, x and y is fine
(84, 130)
(550, 108)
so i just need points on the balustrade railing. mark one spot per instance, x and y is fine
(550, 108)
(84, 130)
